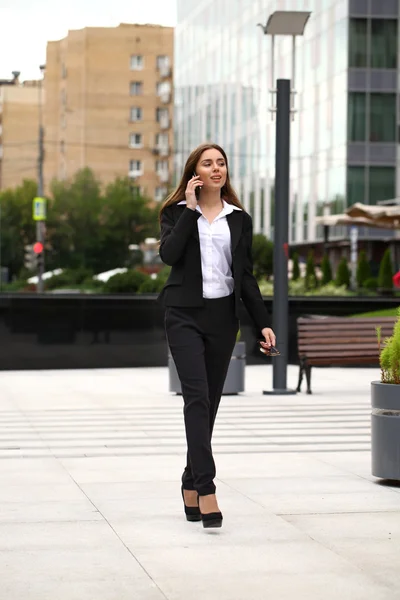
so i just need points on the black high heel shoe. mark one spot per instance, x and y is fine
(213, 519)
(192, 512)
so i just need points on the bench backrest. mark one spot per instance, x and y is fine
(336, 339)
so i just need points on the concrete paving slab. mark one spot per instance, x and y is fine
(99, 455)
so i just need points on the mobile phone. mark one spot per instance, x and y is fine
(197, 190)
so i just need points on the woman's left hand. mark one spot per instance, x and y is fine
(269, 336)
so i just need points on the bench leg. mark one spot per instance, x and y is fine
(308, 378)
(301, 373)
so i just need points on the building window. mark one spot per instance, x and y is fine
(355, 185)
(136, 88)
(137, 62)
(356, 129)
(160, 194)
(63, 97)
(161, 140)
(358, 43)
(135, 168)
(136, 190)
(381, 184)
(162, 166)
(161, 113)
(135, 140)
(162, 61)
(62, 147)
(63, 71)
(382, 125)
(136, 113)
(163, 87)
(384, 44)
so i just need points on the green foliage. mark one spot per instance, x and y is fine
(69, 278)
(128, 282)
(385, 281)
(390, 355)
(150, 286)
(363, 269)
(343, 274)
(298, 288)
(86, 226)
(16, 225)
(93, 229)
(296, 267)
(326, 270)
(371, 283)
(311, 281)
(262, 251)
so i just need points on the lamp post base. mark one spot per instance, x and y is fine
(279, 392)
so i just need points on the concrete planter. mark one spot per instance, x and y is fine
(234, 382)
(385, 430)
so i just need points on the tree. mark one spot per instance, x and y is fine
(311, 281)
(263, 250)
(93, 229)
(296, 268)
(326, 270)
(385, 281)
(363, 269)
(16, 225)
(343, 274)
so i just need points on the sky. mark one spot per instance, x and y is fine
(27, 25)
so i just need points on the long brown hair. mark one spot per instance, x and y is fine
(227, 191)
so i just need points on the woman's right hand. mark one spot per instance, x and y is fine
(190, 193)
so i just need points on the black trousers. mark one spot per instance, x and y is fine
(201, 341)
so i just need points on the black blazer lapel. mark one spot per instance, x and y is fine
(235, 222)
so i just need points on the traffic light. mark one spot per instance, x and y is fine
(30, 260)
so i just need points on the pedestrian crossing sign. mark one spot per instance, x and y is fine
(39, 209)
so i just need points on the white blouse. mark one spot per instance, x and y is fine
(216, 256)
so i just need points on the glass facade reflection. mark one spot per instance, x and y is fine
(343, 146)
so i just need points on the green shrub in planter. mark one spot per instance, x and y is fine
(389, 356)
(296, 267)
(385, 281)
(326, 270)
(311, 281)
(363, 269)
(69, 278)
(151, 286)
(343, 274)
(128, 282)
(371, 283)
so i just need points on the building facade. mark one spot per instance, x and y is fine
(344, 145)
(19, 126)
(109, 106)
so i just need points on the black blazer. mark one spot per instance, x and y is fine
(180, 248)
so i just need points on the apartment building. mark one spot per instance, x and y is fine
(109, 106)
(19, 125)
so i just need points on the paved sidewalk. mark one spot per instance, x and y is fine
(90, 506)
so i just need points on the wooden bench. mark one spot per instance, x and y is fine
(329, 341)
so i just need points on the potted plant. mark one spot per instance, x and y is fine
(234, 382)
(385, 418)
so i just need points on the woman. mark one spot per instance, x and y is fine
(206, 237)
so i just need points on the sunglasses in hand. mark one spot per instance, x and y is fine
(271, 351)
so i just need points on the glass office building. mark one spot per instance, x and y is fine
(344, 145)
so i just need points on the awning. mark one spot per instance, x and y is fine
(377, 214)
(345, 219)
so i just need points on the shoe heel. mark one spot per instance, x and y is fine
(212, 520)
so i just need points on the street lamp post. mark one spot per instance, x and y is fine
(40, 191)
(282, 23)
